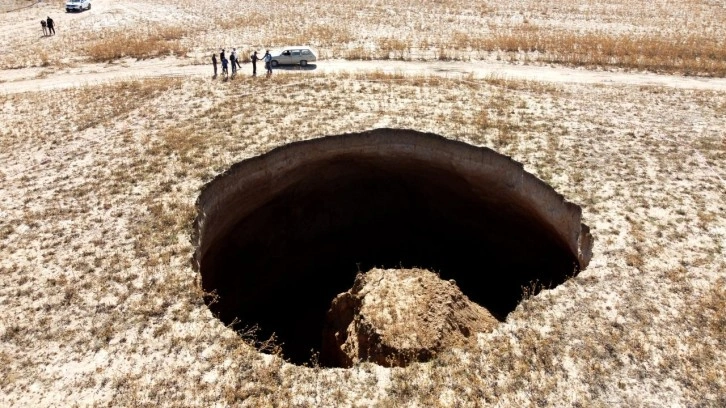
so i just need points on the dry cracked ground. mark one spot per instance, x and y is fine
(102, 307)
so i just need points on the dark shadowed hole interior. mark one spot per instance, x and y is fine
(281, 266)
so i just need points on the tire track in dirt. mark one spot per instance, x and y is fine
(22, 7)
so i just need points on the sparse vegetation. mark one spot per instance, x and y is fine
(678, 37)
(129, 280)
(115, 45)
(100, 306)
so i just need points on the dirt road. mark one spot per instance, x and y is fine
(44, 79)
(123, 13)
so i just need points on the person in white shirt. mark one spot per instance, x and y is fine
(233, 60)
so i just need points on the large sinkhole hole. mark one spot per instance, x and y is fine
(280, 235)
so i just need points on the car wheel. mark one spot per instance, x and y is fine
(274, 63)
(303, 63)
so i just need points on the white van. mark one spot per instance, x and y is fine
(77, 5)
(293, 56)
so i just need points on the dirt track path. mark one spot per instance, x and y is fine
(50, 78)
(44, 79)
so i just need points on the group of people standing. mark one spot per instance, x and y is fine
(48, 26)
(234, 62)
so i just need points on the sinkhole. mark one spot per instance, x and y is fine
(278, 236)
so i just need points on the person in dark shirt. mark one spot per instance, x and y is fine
(51, 26)
(45, 27)
(224, 67)
(214, 62)
(254, 58)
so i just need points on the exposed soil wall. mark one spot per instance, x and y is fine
(295, 225)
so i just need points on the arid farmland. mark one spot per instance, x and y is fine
(111, 129)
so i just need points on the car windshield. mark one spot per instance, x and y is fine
(75, 1)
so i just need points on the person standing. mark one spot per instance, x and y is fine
(268, 62)
(224, 67)
(236, 58)
(51, 26)
(221, 55)
(254, 58)
(214, 62)
(44, 25)
(233, 61)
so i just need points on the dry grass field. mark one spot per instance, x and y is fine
(99, 305)
(664, 36)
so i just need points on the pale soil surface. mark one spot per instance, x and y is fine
(99, 304)
(44, 79)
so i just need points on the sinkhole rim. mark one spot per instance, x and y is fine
(270, 174)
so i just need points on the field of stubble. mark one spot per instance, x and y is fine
(101, 307)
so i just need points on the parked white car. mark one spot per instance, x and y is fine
(78, 5)
(293, 56)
